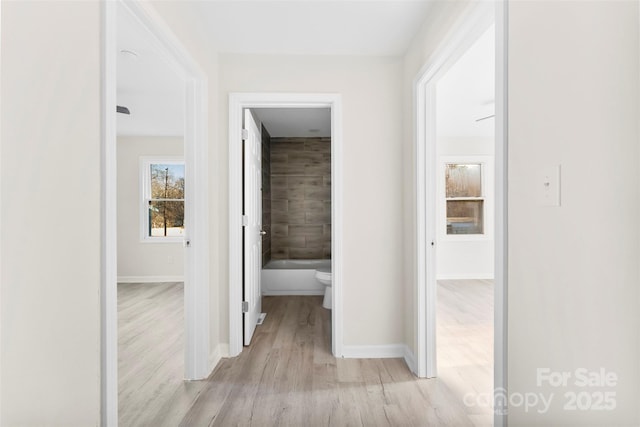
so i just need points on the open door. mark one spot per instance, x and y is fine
(252, 221)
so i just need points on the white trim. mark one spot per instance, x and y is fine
(292, 292)
(468, 28)
(501, 281)
(237, 102)
(196, 207)
(382, 351)
(465, 32)
(487, 181)
(1, 211)
(466, 276)
(150, 279)
(409, 358)
(221, 350)
(109, 228)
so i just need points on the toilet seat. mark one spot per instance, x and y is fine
(323, 275)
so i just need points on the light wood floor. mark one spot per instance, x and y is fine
(150, 349)
(286, 377)
(464, 341)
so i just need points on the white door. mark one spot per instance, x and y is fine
(253, 225)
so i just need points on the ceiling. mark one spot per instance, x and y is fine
(311, 27)
(146, 84)
(154, 92)
(466, 92)
(295, 122)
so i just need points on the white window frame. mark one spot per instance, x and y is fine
(486, 166)
(145, 196)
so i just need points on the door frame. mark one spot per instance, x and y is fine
(464, 33)
(237, 103)
(196, 274)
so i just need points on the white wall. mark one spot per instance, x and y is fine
(573, 278)
(462, 95)
(574, 295)
(372, 117)
(573, 271)
(462, 256)
(143, 261)
(50, 198)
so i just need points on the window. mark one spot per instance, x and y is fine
(465, 203)
(162, 208)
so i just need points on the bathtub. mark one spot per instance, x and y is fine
(292, 277)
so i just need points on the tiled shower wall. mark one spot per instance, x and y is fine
(300, 198)
(266, 196)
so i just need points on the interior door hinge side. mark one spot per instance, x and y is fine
(245, 220)
(245, 306)
(245, 134)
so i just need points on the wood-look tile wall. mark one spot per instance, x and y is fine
(301, 198)
(266, 196)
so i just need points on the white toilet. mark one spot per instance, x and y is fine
(323, 275)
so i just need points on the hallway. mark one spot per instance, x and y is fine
(289, 377)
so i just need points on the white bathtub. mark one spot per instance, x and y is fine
(292, 277)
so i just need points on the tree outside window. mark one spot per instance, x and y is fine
(464, 198)
(163, 199)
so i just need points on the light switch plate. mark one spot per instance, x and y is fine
(548, 186)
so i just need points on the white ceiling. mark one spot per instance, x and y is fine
(311, 27)
(154, 93)
(147, 85)
(295, 122)
(467, 91)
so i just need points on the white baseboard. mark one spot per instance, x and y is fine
(465, 276)
(373, 351)
(381, 352)
(222, 350)
(150, 279)
(410, 359)
(292, 292)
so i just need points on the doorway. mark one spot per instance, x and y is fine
(238, 104)
(464, 34)
(464, 249)
(151, 227)
(195, 239)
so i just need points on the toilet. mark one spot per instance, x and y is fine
(323, 275)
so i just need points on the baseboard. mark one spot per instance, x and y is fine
(222, 350)
(373, 351)
(410, 359)
(291, 292)
(150, 279)
(464, 277)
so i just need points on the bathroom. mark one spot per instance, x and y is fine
(296, 203)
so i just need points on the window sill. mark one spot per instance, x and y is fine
(466, 238)
(162, 240)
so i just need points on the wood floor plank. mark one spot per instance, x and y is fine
(288, 376)
(465, 341)
(151, 355)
